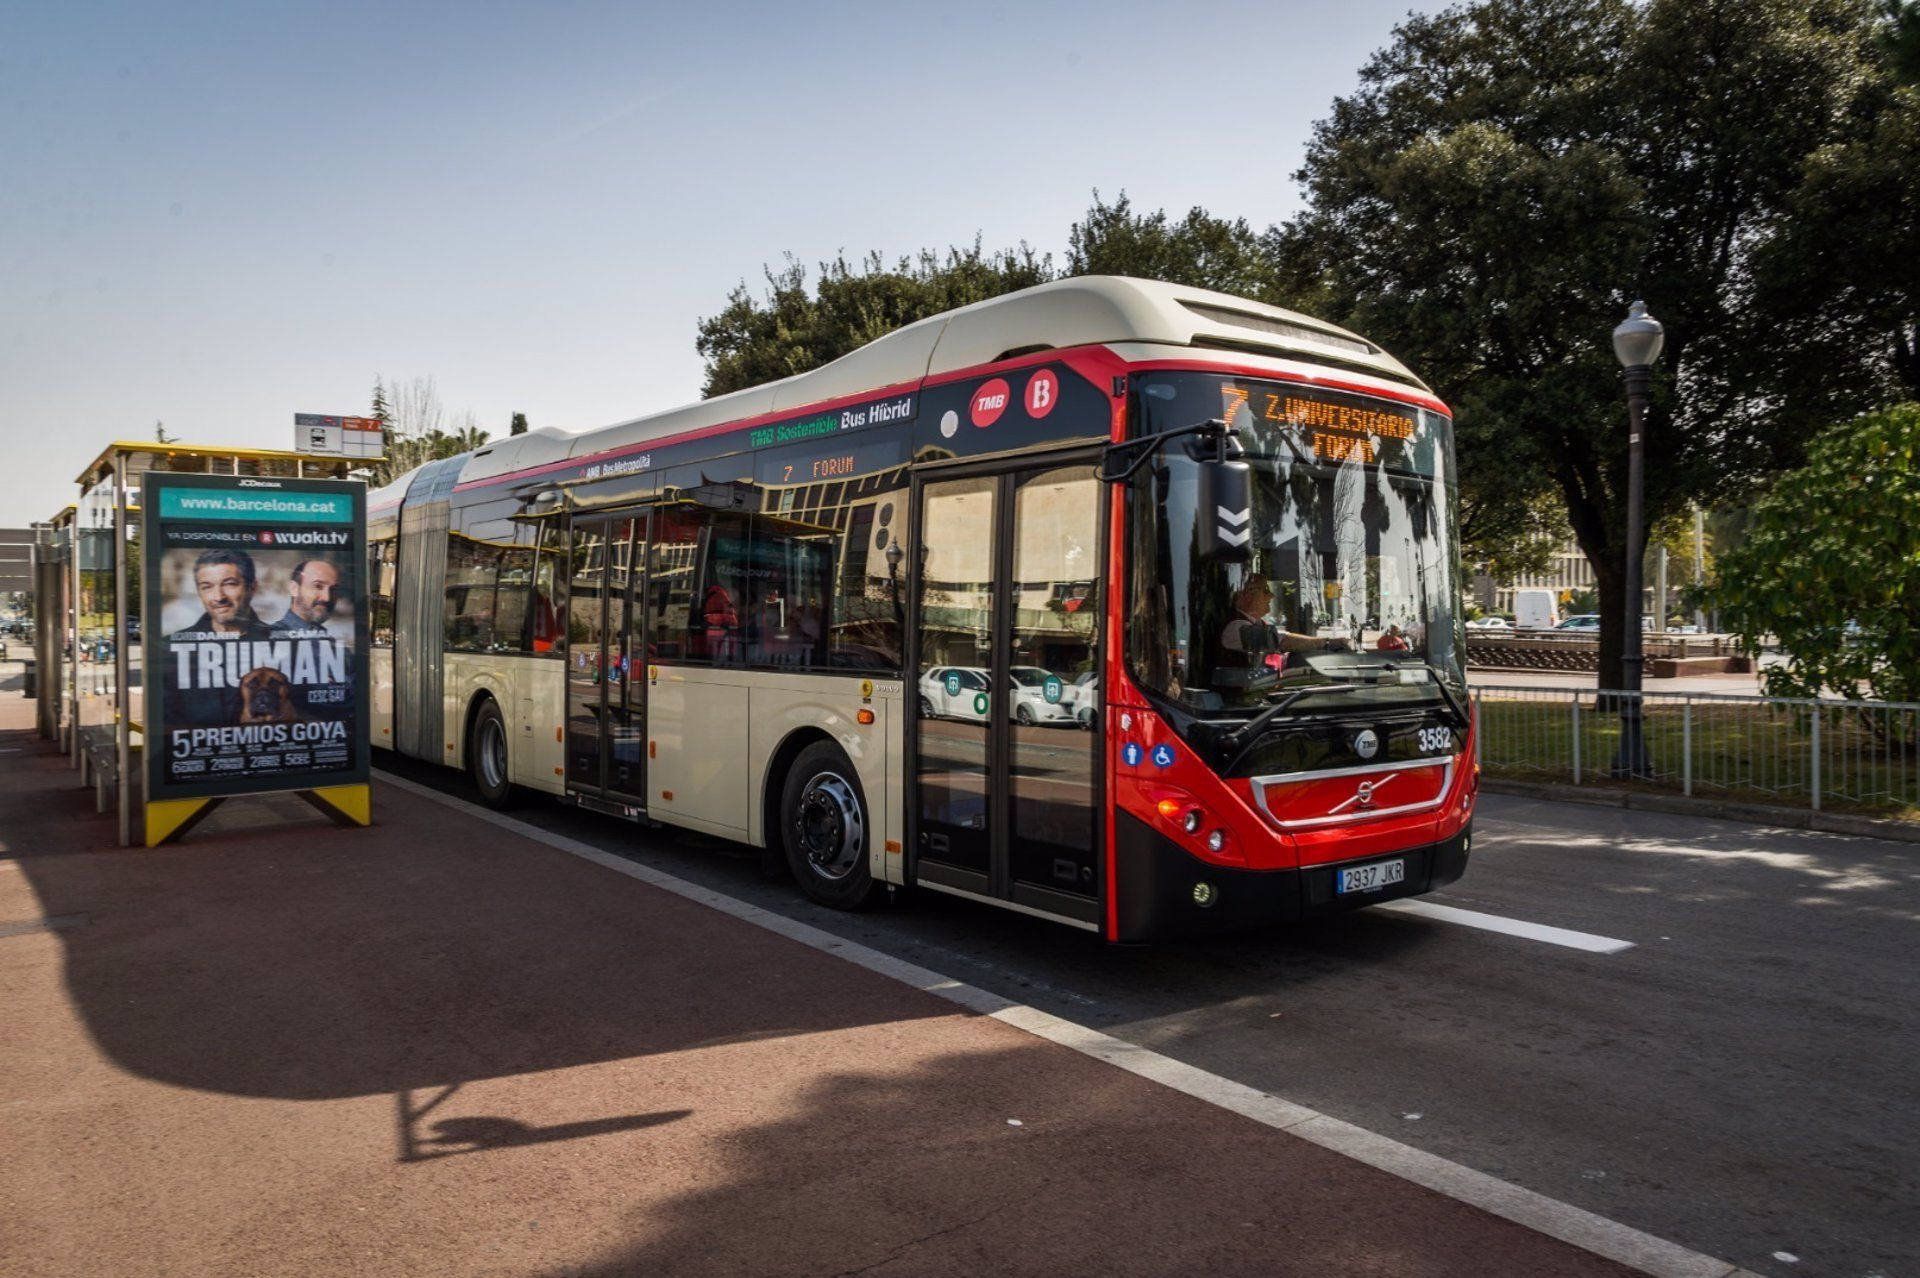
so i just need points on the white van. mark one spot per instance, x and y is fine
(1535, 608)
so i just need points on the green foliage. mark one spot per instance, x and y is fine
(1201, 250)
(518, 426)
(1511, 173)
(1900, 38)
(1831, 564)
(1851, 317)
(792, 330)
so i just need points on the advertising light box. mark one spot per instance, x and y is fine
(256, 634)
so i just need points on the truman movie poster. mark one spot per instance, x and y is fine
(255, 632)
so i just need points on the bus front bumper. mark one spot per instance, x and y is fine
(1161, 886)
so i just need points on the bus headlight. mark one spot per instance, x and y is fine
(1217, 840)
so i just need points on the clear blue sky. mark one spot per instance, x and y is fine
(219, 216)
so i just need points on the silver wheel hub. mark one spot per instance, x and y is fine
(493, 754)
(829, 826)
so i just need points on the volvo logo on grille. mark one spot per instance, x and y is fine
(1362, 798)
(1367, 743)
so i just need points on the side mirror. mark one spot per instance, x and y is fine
(1224, 511)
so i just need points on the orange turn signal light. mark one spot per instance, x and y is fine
(1170, 808)
(865, 716)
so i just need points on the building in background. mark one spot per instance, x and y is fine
(16, 567)
(1568, 576)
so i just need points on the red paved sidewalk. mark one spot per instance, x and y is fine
(435, 1047)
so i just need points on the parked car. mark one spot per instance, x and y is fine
(1590, 623)
(1489, 623)
(1082, 696)
(960, 692)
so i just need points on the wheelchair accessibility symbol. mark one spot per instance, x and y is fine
(1163, 756)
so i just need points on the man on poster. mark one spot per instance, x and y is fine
(225, 581)
(311, 597)
(313, 594)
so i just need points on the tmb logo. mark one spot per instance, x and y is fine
(989, 402)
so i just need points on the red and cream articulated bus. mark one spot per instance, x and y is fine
(1131, 606)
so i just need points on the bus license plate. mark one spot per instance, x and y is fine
(1370, 878)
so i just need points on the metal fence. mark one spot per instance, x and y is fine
(1861, 756)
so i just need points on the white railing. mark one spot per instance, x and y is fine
(1859, 756)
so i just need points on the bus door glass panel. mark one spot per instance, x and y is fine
(625, 740)
(586, 626)
(955, 693)
(1054, 679)
(673, 550)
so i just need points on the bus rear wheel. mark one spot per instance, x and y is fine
(487, 756)
(825, 829)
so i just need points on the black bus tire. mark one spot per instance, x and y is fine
(827, 830)
(487, 756)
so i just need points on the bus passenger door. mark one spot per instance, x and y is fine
(624, 732)
(1006, 745)
(586, 639)
(606, 692)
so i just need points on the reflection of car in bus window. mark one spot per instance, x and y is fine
(1035, 695)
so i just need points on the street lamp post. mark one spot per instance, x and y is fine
(1636, 343)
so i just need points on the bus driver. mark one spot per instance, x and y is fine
(1250, 640)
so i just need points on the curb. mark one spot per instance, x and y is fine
(1681, 805)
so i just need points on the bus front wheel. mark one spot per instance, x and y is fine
(826, 830)
(487, 755)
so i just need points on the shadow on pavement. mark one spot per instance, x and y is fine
(307, 963)
(919, 1171)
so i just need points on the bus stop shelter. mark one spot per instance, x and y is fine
(92, 637)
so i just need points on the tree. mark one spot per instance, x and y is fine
(519, 424)
(1511, 173)
(1840, 592)
(1201, 250)
(1900, 38)
(160, 434)
(416, 429)
(1854, 315)
(791, 331)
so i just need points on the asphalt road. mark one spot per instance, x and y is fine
(1742, 1080)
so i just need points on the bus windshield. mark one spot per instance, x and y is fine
(1352, 579)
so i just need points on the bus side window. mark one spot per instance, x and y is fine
(788, 573)
(675, 630)
(544, 608)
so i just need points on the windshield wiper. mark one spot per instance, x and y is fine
(1453, 702)
(1243, 738)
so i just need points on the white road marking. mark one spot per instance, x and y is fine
(1536, 1211)
(1511, 927)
